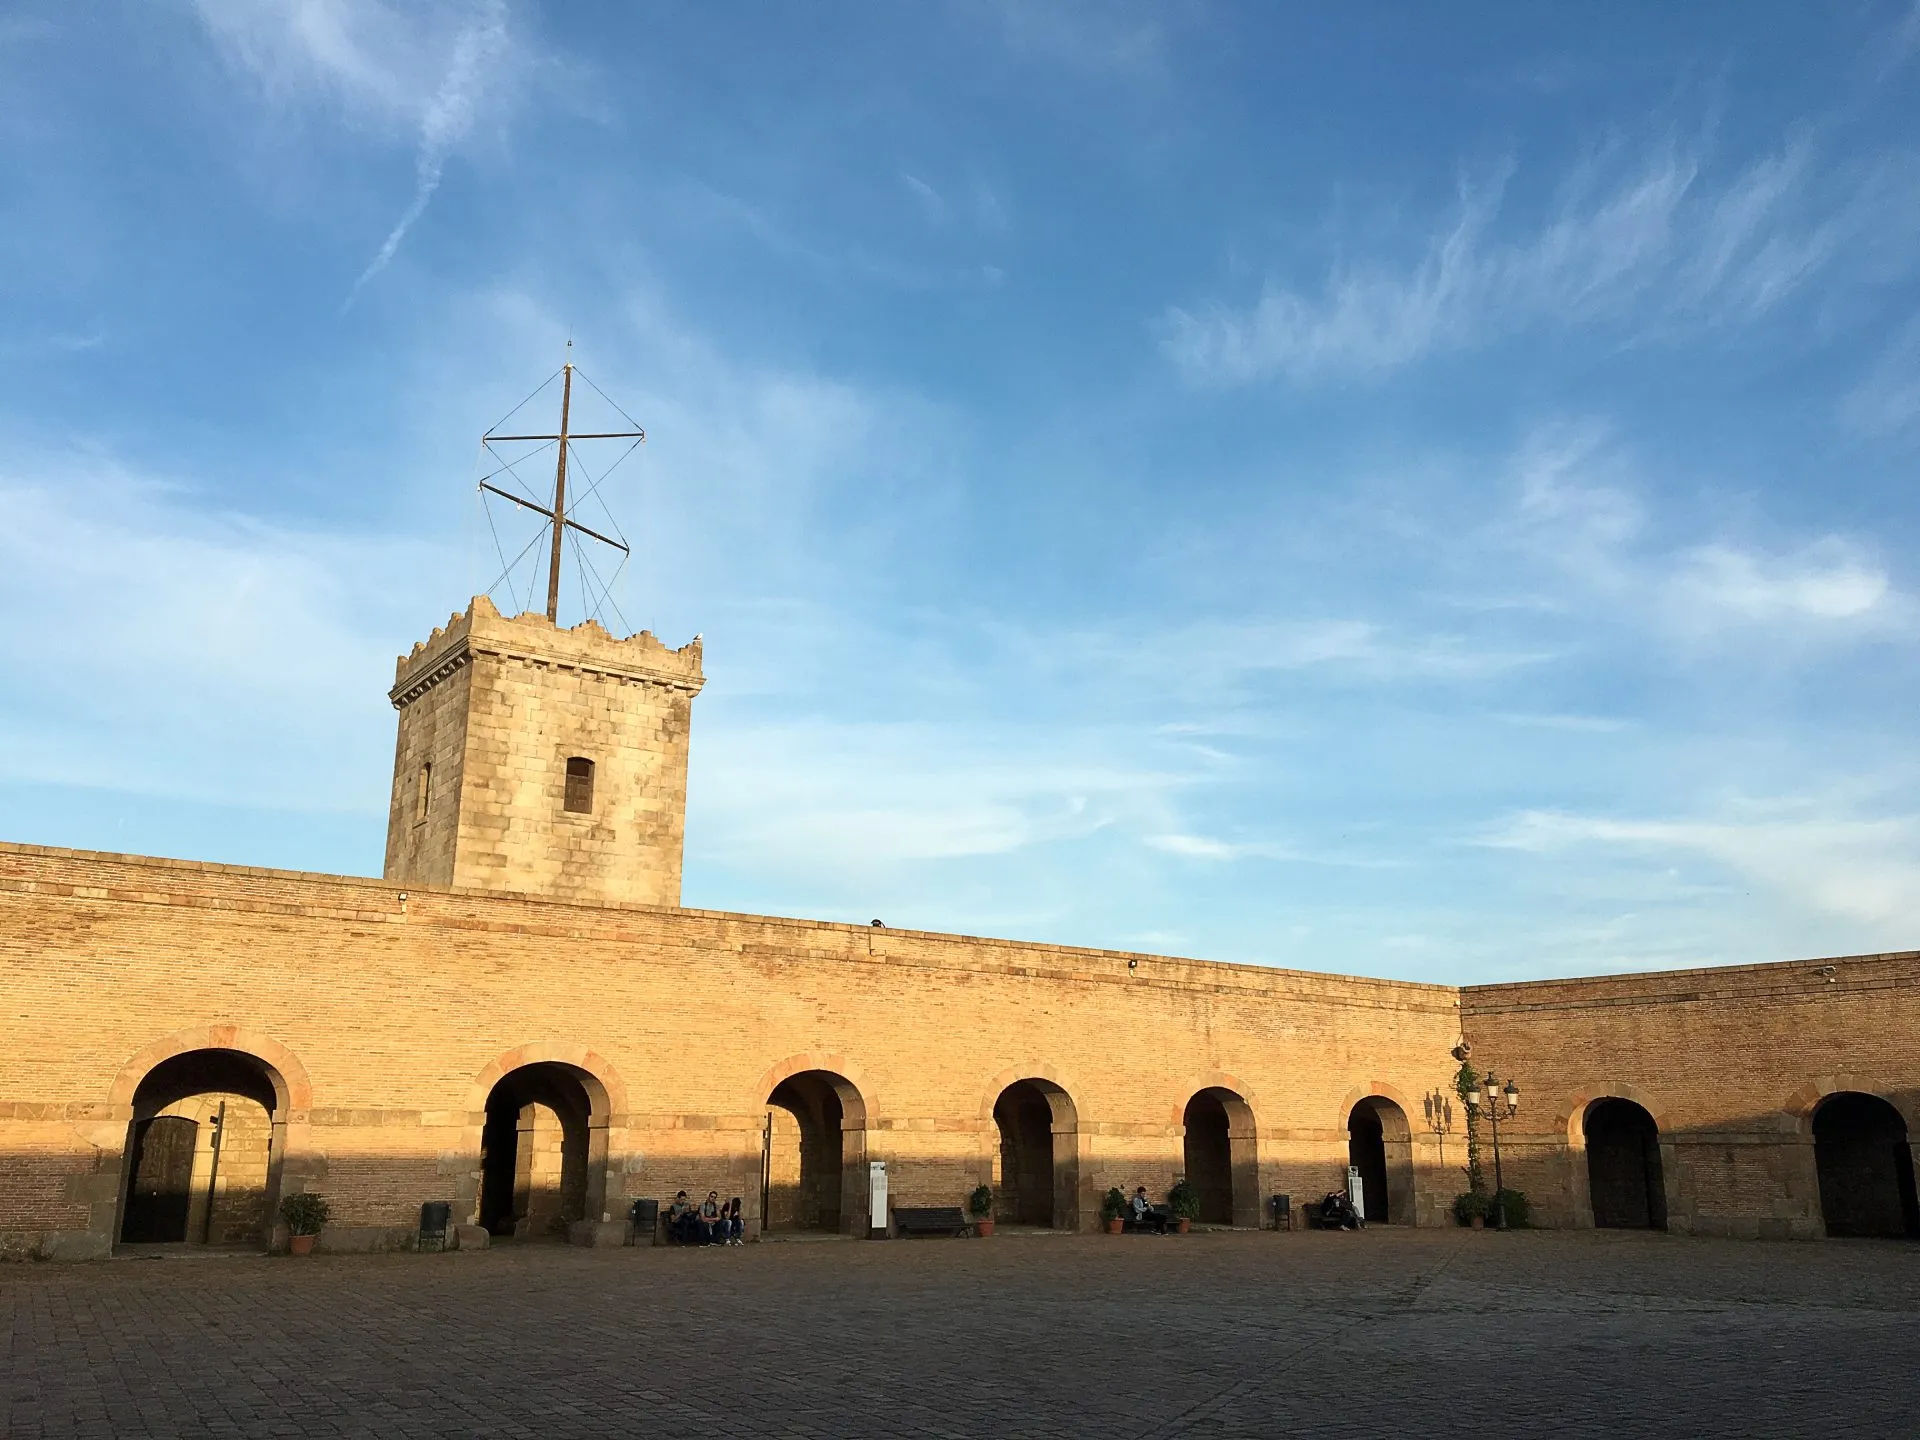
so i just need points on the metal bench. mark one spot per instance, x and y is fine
(929, 1220)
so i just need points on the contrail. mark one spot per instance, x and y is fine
(445, 122)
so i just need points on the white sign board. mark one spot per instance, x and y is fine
(1357, 1191)
(877, 1193)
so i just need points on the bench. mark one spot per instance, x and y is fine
(929, 1220)
(1161, 1223)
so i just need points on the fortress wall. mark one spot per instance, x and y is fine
(388, 1012)
(1731, 1063)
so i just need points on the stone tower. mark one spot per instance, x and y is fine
(547, 761)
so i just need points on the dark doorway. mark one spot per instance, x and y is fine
(161, 1192)
(202, 1159)
(1208, 1153)
(1039, 1148)
(1866, 1167)
(816, 1145)
(1380, 1145)
(534, 1152)
(1624, 1178)
(1367, 1151)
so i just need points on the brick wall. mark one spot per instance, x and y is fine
(387, 1019)
(1731, 1063)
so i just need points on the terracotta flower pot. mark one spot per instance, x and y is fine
(301, 1244)
(1116, 1225)
(1478, 1222)
(1182, 1225)
(983, 1228)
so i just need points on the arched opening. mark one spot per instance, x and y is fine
(1624, 1178)
(202, 1160)
(1220, 1159)
(816, 1150)
(542, 1151)
(1039, 1179)
(1865, 1165)
(1380, 1145)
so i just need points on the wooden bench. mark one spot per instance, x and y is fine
(929, 1220)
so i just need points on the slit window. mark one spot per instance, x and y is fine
(580, 786)
(423, 793)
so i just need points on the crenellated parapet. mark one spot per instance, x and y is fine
(532, 638)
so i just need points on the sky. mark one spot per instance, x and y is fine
(1421, 491)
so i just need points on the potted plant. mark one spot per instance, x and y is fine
(305, 1214)
(1113, 1210)
(980, 1207)
(1184, 1201)
(1470, 1208)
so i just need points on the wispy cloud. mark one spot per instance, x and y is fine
(1655, 245)
(1815, 852)
(209, 630)
(384, 67)
(1886, 400)
(446, 122)
(1579, 514)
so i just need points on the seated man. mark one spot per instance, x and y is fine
(1143, 1214)
(711, 1226)
(680, 1220)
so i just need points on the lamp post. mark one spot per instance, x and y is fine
(1497, 1105)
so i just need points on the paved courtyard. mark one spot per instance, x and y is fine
(1390, 1332)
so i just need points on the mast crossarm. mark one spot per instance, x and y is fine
(605, 435)
(572, 524)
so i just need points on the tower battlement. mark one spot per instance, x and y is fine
(542, 760)
(530, 636)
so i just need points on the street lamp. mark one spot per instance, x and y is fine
(1499, 1105)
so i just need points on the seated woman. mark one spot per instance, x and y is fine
(732, 1226)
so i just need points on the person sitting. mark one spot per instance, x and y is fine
(710, 1219)
(1143, 1214)
(680, 1220)
(1337, 1212)
(733, 1225)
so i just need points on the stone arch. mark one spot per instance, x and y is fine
(206, 1113)
(1620, 1140)
(602, 1083)
(544, 1112)
(1863, 1162)
(292, 1089)
(1572, 1124)
(858, 1088)
(1380, 1143)
(814, 1163)
(1031, 1113)
(1220, 1154)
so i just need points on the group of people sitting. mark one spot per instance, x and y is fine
(711, 1222)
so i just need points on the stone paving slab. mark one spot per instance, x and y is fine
(1387, 1332)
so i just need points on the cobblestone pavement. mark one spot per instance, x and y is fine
(1384, 1333)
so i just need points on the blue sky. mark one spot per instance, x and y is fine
(1423, 491)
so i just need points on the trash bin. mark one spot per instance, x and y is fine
(435, 1216)
(1282, 1207)
(646, 1222)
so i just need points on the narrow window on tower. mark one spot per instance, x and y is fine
(580, 786)
(423, 794)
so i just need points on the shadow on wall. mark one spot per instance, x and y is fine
(205, 1158)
